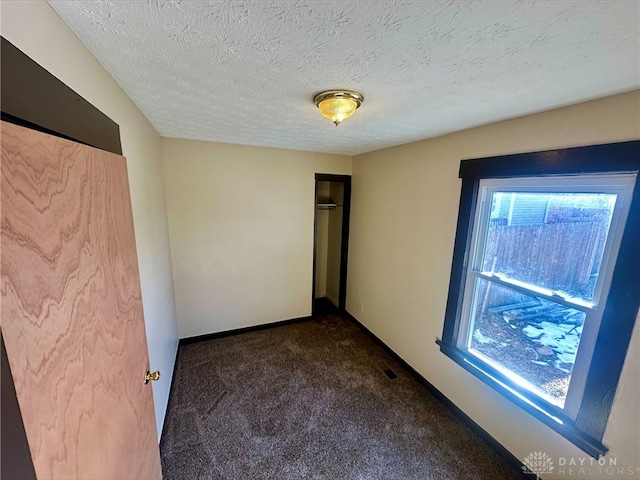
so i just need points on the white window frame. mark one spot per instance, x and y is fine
(621, 185)
(586, 429)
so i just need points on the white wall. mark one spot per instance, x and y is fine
(35, 29)
(403, 221)
(241, 228)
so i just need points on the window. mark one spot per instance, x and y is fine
(541, 258)
(545, 283)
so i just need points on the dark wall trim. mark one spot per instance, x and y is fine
(497, 381)
(344, 248)
(173, 378)
(620, 309)
(330, 177)
(569, 161)
(493, 443)
(32, 97)
(315, 246)
(618, 320)
(16, 458)
(238, 331)
(463, 237)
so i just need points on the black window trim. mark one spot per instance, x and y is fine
(622, 304)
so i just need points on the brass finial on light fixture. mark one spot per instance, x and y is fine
(336, 105)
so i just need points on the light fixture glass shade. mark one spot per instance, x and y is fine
(336, 105)
(337, 109)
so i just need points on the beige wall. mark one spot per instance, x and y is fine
(35, 29)
(322, 241)
(329, 241)
(322, 244)
(404, 210)
(241, 228)
(334, 244)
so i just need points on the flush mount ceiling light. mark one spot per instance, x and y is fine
(336, 105)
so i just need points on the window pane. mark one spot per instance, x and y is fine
(532, 340)
(552, 240)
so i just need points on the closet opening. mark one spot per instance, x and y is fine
(331, 242)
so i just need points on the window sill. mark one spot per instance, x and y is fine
(547, 414)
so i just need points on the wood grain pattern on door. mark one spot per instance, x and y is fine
(71, 311)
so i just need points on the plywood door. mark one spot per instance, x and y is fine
(71, 311)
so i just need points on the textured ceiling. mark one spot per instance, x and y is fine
(244, 71)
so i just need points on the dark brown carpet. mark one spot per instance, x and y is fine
(312, 400)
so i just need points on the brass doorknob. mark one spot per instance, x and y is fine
(151, 376)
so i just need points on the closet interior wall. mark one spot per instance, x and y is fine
(329, 240)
